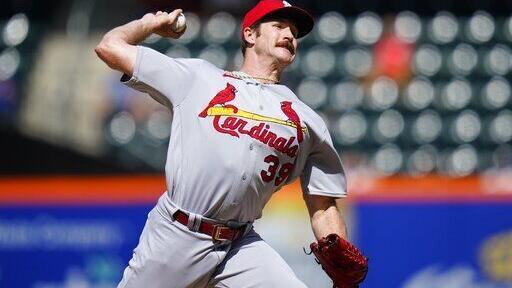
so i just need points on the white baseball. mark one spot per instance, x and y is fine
(179, 24)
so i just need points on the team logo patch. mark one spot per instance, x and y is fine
(229, 119)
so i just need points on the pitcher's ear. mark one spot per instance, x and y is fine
(249, 35)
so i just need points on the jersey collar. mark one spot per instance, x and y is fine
(246, 77)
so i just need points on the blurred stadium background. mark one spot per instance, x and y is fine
(417, 97)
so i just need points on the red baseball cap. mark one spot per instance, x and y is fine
(300, 17)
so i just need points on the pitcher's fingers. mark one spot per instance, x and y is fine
(173, 15)
(163, 18)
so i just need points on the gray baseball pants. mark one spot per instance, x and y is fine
(169, 255)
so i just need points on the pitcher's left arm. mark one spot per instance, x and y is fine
(326, 216)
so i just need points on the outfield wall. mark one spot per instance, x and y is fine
(419, 233)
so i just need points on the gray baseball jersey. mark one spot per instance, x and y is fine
(234, 142)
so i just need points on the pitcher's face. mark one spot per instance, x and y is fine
(277, 39)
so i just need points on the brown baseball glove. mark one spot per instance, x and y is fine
(342, 261)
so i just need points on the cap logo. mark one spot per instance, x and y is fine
(286, 4)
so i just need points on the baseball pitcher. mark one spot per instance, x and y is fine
(236, 138)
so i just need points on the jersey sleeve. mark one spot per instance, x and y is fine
(167, 80)
(323, 173)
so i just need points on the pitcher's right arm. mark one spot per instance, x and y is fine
(118, 48)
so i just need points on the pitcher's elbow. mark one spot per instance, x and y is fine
(100, 51)
(106, 49)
